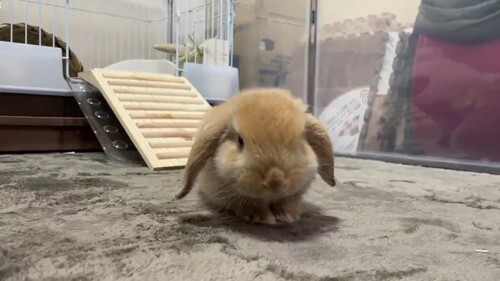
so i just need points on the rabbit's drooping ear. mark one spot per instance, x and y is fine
(204, 147)
(320, 142)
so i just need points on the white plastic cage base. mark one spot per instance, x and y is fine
(215, 83)
(144, 65)
(32, 69)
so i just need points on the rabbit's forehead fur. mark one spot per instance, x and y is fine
(269, 117)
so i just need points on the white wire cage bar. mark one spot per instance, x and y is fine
(101, 34)
(202, 28)
(12, 11)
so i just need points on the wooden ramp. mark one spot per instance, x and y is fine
(160, 112)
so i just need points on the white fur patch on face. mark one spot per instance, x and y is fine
(235, 125)
(311, 165)
(225, 160)
(312, 159)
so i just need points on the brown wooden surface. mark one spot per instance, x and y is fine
(40, 123)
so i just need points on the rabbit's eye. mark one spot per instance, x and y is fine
(241, 142)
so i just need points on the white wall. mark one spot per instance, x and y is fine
(98, 39)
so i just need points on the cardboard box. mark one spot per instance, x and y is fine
(216, 52)
(265, 37)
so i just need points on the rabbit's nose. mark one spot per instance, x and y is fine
(275, 179)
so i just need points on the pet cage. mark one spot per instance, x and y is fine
(44, 44)
(104, 34)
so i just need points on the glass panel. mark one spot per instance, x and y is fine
(411, 80)
(270, 38)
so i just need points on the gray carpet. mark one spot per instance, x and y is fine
(81, 217)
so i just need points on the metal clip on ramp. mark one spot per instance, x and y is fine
(159, 112)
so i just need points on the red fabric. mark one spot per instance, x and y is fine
(456, 100)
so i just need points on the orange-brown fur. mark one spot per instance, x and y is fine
(263, 177)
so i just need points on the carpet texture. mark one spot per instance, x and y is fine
(82, 217)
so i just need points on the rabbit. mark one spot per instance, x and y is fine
(256, 154)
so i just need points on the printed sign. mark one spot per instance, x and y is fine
(344, 118)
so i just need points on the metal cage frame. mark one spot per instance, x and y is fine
(179, 19)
